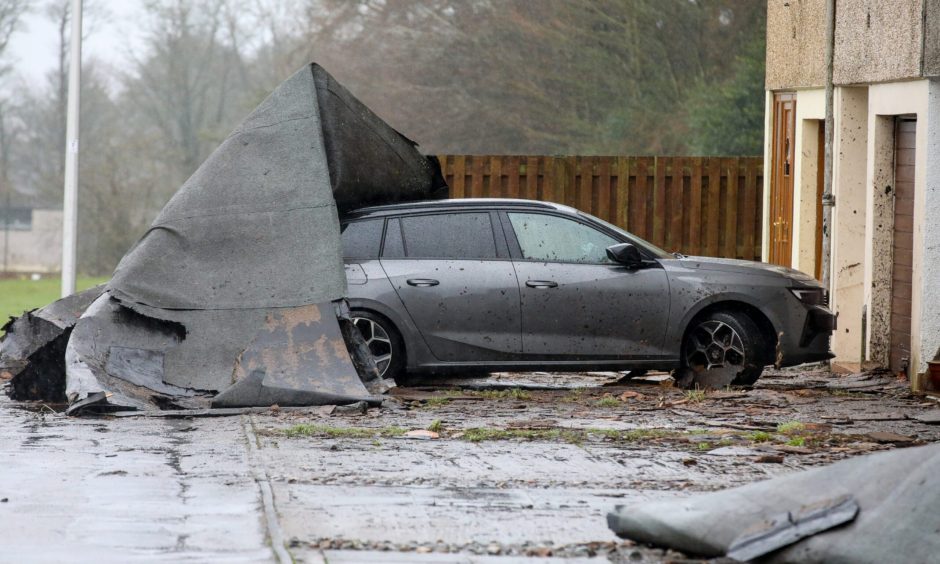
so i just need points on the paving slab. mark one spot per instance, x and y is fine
(126, 491)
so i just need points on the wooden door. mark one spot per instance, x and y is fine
(781, 179)
(902, 265)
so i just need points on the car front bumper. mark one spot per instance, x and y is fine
(809, 337)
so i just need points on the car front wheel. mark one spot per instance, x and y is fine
(721, 349)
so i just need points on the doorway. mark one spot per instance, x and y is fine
(905, 145)
(781, 179)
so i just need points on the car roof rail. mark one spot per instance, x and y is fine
(451, 203)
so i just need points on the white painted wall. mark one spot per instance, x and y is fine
(810, 109)
(848, 226)
(768, 160)
(38, 249)
(927, 237)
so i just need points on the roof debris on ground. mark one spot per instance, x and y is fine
(234, 296)
(873, 508)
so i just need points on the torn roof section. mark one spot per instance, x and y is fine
(256, 225)
(238, 285)
(880, 507)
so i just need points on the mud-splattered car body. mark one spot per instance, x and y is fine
(515, 284)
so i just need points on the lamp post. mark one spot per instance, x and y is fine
(70, 201)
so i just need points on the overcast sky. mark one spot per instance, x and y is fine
(112, 35)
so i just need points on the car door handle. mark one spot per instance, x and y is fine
(422, 282)
(541, 284)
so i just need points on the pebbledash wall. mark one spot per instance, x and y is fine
(886, 64)
(32, 248)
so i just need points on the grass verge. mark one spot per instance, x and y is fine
(19, 295)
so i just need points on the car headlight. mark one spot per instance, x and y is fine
(810, 296)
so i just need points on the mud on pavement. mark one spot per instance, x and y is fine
(458, 470)
(528, 465)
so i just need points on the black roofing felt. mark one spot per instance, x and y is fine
(240, 268)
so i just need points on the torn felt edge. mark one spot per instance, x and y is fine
(787, 528)
(33, 348)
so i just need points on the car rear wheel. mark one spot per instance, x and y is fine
(383, 341)
(721, 349)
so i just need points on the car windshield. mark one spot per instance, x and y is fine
(644, 245)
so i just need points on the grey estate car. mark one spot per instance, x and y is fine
(499, 284)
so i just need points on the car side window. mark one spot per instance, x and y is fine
(443, 236)
(361, 239)
(551, 238)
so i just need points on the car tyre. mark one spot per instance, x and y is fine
(384, 342)
(721, 349)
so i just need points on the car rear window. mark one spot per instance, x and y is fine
(445, 236)
(361, 239)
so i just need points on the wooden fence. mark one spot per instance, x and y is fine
(695, 205)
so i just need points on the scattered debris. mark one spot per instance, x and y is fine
(931, 417)
(888, 437)
(422, 434)
(32, 350)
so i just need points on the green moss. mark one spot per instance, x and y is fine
(791, 428)
(760, 436)
(436, 426)
(608, 401)
(310, 430)
(574, 396)
(511, 393)
(797, 442)
(436, 401)
(480, 434)
(695, 396)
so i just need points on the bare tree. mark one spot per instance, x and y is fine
(185, 83)
(11, 12)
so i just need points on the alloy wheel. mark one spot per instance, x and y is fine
(715, 347)
(378, 341)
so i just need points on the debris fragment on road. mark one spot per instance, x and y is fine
(234, 296)
(32, 351)
(878, 497)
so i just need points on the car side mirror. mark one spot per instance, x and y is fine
(626, 254)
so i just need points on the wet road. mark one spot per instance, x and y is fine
(127, 490)
(304, 486)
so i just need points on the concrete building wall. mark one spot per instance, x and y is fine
(877, 40)
(38, 249)
(931, 37)
(796, 34)
(848, 234)
(810, 110)
(926, 344)
(883, 48)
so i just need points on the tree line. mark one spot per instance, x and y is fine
(631, 77)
